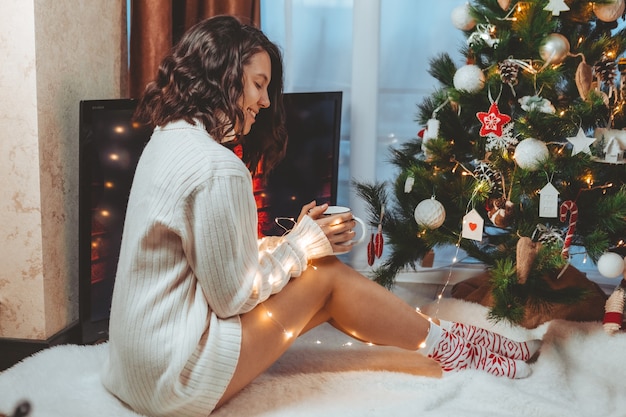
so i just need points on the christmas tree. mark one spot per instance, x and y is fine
(523, 140)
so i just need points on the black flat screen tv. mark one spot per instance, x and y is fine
(110, 145)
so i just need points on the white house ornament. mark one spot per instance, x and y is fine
(530, 153)
(609, 12)
(554, 48)
(473, 226)
(556, 7)
(581, 143)
(469, 78)
(613, 152)
(614, 144)
(430, 213)
(549, 201)
(462, 18)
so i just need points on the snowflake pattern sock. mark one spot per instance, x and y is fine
(493, 341)
(455, 353)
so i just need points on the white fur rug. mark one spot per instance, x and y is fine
(580, 372)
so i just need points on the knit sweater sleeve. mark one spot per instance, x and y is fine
(234, 271)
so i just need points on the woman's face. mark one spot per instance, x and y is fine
(256, 78)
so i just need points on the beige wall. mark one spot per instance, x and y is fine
(54, 53)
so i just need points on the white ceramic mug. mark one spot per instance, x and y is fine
(331, 210)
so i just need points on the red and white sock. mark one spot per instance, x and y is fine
(454, 353)
(493, 341)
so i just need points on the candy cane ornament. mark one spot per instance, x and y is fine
(570, 206)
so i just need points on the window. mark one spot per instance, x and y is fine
(316, 37)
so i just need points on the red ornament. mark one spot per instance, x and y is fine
(375, 245)
(493, 121)
(378, 242)
(371, 251)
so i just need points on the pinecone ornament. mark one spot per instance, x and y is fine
(509, 72)
(485, 172)
(605, 70)
(548, 235)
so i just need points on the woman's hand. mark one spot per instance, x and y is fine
(337, 227)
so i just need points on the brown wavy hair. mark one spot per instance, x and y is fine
(202, 78)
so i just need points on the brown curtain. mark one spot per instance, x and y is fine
(156, 25)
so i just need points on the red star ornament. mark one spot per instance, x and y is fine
(492, 121)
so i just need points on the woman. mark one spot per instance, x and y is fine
(190, 323)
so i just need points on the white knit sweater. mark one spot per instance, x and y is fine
(190, 264)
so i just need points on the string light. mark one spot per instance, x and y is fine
(288, 334)
(448, 279)
(286, 229)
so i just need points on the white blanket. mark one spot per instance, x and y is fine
(580, 372)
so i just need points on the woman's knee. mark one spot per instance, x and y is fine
(325, 270)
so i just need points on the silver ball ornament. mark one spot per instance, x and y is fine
(430, 214)
(529, 153)
(554, 48)
(469, 78)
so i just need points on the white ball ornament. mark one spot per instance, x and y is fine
(461, 17)
(610, 265)
(529, 153)
(609, 12)
(430, 213)
(554, 48)
(469, 78)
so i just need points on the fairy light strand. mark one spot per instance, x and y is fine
(288, 334)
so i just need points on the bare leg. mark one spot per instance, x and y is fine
(331, 291)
